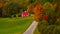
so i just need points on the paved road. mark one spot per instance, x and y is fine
(32, 27)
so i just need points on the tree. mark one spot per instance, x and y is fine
(50, 13)
(12, 8)
(38, 12)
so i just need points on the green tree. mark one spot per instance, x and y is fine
(12, 8)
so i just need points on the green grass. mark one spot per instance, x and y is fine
(36, 31)
(14, 25)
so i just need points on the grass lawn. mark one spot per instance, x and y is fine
(36, 31)
(14, 25)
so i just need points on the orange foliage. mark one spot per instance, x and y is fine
(6, 4)
(30, 8)
(54, 5)
(38, 11)
(8, 0)
(1, 4)
(16, 0)
(4, 12)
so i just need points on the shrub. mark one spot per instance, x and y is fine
(12, 8)
(44, 28)
(49, 23)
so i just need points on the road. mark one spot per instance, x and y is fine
(31, 28)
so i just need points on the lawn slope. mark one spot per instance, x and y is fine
(14, 25)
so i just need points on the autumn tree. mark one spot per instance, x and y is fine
(38, 12)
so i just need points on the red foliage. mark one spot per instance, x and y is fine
(45, 17)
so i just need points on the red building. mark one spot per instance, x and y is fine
(25, 13)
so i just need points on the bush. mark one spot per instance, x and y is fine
(12, 8)
(45, 28)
